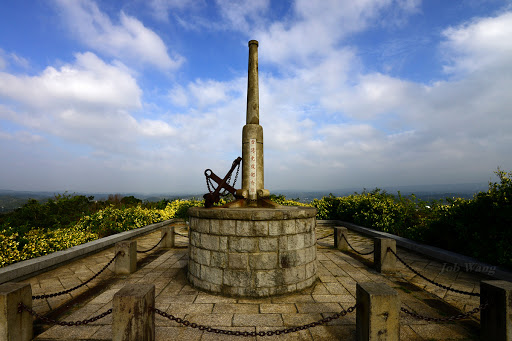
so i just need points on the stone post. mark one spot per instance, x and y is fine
(341, 243)
(132, 316)
(383, 260)
(168, 240)
(253, 99)
(377, 314)
(15, 326)
(496, 318)
(126, 262)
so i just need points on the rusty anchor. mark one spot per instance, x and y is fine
(222, 184)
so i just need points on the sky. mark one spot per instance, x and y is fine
(144, 95)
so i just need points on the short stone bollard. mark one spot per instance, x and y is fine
(341, 238)
(133, 318)
(126, 262)
(383, 260)
(168, 236)
(15, 326)
(378, 312)
(496, 318)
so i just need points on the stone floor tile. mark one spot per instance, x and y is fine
(257, 320)
(448, 331)
(207, 298)
(177, 333)
(237, 308)
(318, 307)
(69, 333)
(295, 320)
(211, 319)
(103, 333)
(255, 300)
(85, 312)
(188, 290)
(336, 288)
(55, 302)
(346, 333)
(279, 308)
(343, 299)
(326, 279)
(104, 297)
(320, 289)
(184, 308)
(406, 333)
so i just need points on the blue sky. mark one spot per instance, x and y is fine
(143, 96)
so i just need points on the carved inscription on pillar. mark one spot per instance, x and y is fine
(252, 166)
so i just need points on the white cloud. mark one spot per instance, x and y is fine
(161, 8)
(88, 102)
(319, 26)
(242, 15)
(129, 40)
(12, 58)
(178, 96)
(480, 43)
(204, 93)
(88, 82)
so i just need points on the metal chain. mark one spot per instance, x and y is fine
(165, 234)
(38, 297)
(451, 318)
(236, 175)
(225, 192)
(179, 234)
(431, 281)
(208, 183)
(361, 253)
(253, 333)
(22, 307)
(329, 235)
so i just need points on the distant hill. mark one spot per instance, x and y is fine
(423, 192)
(10, 200)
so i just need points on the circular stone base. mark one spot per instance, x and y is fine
(252, 252)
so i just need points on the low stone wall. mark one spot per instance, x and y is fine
(252, 252)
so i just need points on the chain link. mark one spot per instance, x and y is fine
(165, 234)
(431, 281)
(38, 297)
(358, 252)
(253, 333)
(179, 234)
(329, 235)
(22, 307)
(443, 319)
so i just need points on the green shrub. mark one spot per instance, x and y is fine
(480, 227)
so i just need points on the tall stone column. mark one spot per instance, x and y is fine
(252, 135)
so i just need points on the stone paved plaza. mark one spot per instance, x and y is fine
(335, 290)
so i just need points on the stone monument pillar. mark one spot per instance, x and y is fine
(252, 137)
(252, 247)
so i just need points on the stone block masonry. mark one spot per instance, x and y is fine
(252, 252)
(15, 326)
